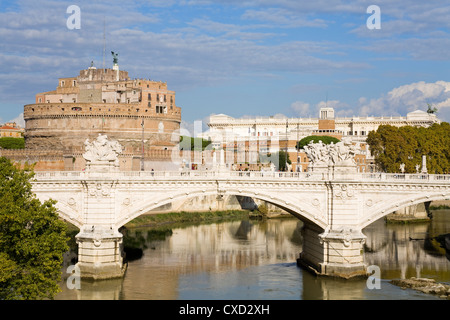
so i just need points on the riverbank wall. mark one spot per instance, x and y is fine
(421, 212)
(220, 203)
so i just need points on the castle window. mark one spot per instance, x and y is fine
(40, 99)
(75, 109)
(74, 83)
(149, 96)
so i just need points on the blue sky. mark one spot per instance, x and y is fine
(242, 58)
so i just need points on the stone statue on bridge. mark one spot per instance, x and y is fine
(102, 151)
(322, 156)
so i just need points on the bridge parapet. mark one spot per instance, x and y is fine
(210, 174)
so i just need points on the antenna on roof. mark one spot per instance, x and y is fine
(104, 41)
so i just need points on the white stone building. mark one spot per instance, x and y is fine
(223, 128)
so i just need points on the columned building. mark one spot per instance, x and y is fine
(224, 130)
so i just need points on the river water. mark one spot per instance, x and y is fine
(256, 260)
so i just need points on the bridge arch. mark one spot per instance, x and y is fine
(304, 212)
(66, 212)
(388, 206)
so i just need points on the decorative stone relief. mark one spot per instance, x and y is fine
(345, 193)
(102, 150)
(100, 190)
(71, 202)
(341, 153)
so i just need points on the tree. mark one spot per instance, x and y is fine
(32, 238)
(392, 146)
(325, 139)
(12, 143)
(194, 144)
(282, 158)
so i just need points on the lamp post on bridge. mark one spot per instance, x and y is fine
(143, 153)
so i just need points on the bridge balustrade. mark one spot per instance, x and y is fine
(67, 175)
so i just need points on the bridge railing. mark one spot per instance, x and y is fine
(405, 177)
(67, 175)
(189, 174)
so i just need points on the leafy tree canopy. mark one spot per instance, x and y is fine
(392, 146)
(281, 156)
(325, 139)
(12, 143)
(194, 144)
(32, 238)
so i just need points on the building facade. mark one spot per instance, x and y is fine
(283, 133)
(11, 130)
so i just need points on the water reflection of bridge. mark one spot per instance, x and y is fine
(215, 251)
(410, 249)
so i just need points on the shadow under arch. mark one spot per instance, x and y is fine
(387, 207)
(303, 212)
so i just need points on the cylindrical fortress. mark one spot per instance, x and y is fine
(103, 101)
(65, 126)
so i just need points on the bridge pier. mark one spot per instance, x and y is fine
(336, 253)
(100, 254)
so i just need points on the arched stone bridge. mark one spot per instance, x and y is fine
(334, 207)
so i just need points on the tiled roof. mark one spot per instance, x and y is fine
(9, 128)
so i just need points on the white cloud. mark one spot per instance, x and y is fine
(301, 109)
(397, 102)
(19, 120)
(410, 97)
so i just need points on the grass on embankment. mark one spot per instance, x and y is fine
(439, 207)
(153, 220)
